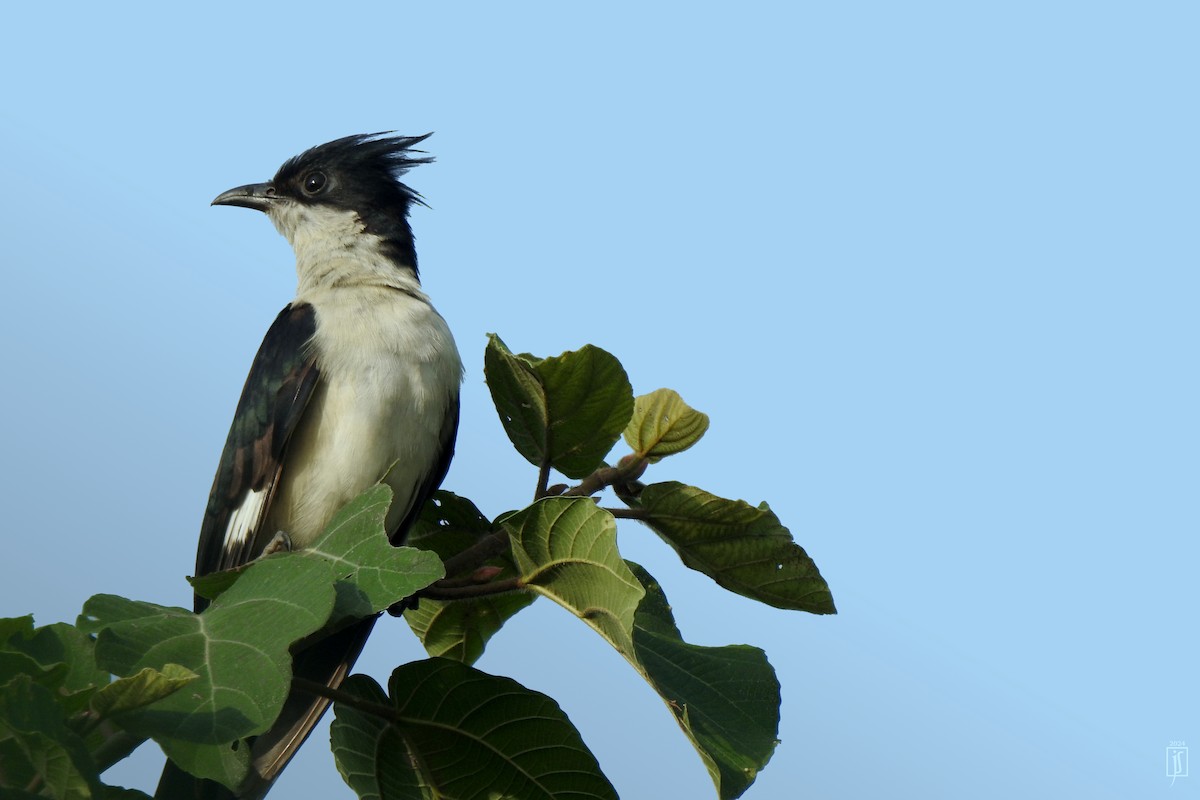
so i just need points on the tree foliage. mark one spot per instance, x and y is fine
(76, 699)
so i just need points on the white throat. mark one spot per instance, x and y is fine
(333, 249)
(389, 374)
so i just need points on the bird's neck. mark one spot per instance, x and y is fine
(334, 250)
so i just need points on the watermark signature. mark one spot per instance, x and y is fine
(1177, 760)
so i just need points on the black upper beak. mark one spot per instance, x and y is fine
(258, 196)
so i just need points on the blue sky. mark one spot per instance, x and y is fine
(930, 267)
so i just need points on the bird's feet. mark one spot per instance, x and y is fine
(281, 543)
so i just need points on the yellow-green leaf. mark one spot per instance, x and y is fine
(141, 689)
(662, 425)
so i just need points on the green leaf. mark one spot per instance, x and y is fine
(447, 525)
(745, 549)
(120, 793)
(567, 411)
(726, 699)
(10, 626)
(520, 400)
(590, 402)
(57, 656)
(240, 641)
(68, 653)
(18, 794)
(211, 586)
(139, 690)
(227, 763)
(372, 573)
(663, 425)
(363, 743)
(566, 549)
(239, 646)
(14, 663)
(36, 743)
(460, 629)
(455, 733)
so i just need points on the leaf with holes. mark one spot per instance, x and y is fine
(745, 549)
(460, 629)
(567, 411)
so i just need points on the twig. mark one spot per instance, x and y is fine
(338, 696)
(605, 476)
(437, 592)
(627, 471)
(543, 479)
(629, 513)
(469, 579)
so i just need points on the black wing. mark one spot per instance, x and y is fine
(279, 386)
(277, 390)
(329, 661)
(433, 479)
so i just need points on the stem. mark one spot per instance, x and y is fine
(338, 696)
(543, 480)
(436, 592)
(462, 580)
(474, 557)
(627, 471)
(629, 491)
(605, 476)
(629, 513)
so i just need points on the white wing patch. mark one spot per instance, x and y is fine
(243, 522)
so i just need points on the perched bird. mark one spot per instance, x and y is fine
(356, 381)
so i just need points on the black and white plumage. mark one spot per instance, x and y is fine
(356, 381)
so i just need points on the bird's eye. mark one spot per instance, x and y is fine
(314, 182)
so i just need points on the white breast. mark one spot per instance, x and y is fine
(389, 372)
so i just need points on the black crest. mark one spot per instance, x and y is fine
(361, 173)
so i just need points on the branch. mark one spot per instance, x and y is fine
(543, 479)
(627, 471)
(460, 564)
(605, 476)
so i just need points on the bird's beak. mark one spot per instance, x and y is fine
(258, 196)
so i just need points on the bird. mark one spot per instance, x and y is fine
(356, 381)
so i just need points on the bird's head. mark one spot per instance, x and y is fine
(332, 193)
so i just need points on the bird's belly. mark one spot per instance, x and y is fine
(382, 424)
